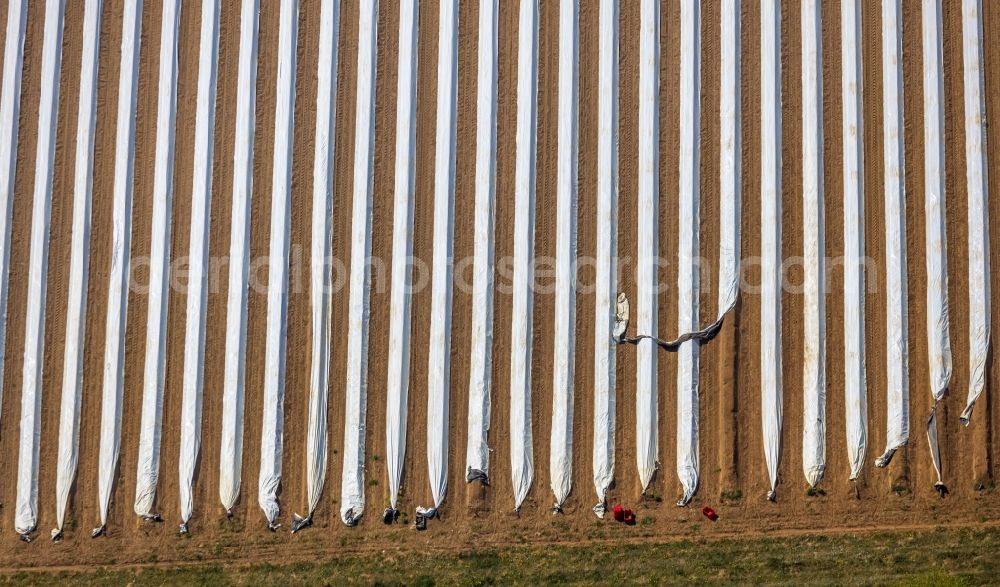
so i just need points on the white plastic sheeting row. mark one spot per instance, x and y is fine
(398, 376)
(10, 103)
(150, 432)
(320, 274)
(688, 229)
(76, 308)
(477, 457)
(272, 429)
(647, 234)
(563, 388)
(814, 237)
(977, 179)
(352, 492)
(855, 380)
(938, 335)
(198, 249)
(233, 385)
(118, 274)
(606, 262)
(730, 168)
(521, 444)
(770, 238)
(26, 515)
(439, 343)
(896, 309)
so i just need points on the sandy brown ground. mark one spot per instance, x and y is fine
(731, 444)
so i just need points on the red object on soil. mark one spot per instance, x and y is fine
(619, 513)
(710, 513)
(629, 517)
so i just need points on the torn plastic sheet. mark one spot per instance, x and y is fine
(477, 457)
(10, 103)
(439, 343)
(118, 273)
(150, 432)
(197, 295)
(977, 187)
(521, 442)
(76, 307)
(352, 495)
(561, 447)
(606, 265)
(814, 237)
(320, 273)
(897, 319)
(689, 269)
(233, 386)
(938, 336)
(647, 234)
(856, 383)
(730, 169)
(770, 240)
(272, 430)
(26, 516)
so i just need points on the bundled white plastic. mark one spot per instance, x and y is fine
(118, 272)
(477, 457)
(150, 432)
(689, 268)
(730, 170)
(647, 233)
(814, 233)
(76, 309)
(26, 516)
(897, 320)
(272, 430)
(770, 238)
(439, 343)
(320, 271)
(563, 388)
(10, 102)
(352, 488)
(197, 295)
(606, 266)
(938, 336)
(856, 382)
(521, 458)
(233, 385)
(976, 177)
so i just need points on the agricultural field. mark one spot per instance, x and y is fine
(284, 265)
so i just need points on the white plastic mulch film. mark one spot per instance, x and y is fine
(521, 458)
(352, 492)
(938, 336)
(320, 270)
(897, 319)
(10, 102)
(26, 515)
(233, 385)
(76, 310)
(118, 274)
(477, 458)
(730, 168)
(976, 178)
(770, 239)
(561, 451)
(439, 343)
(197, 295)
(647, 233)
(855, 380)
(689, 269)
(606, 262)
(814, 233)
(398, 376)
(150, 432)
(272, 430)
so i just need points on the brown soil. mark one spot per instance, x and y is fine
(731, 444)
